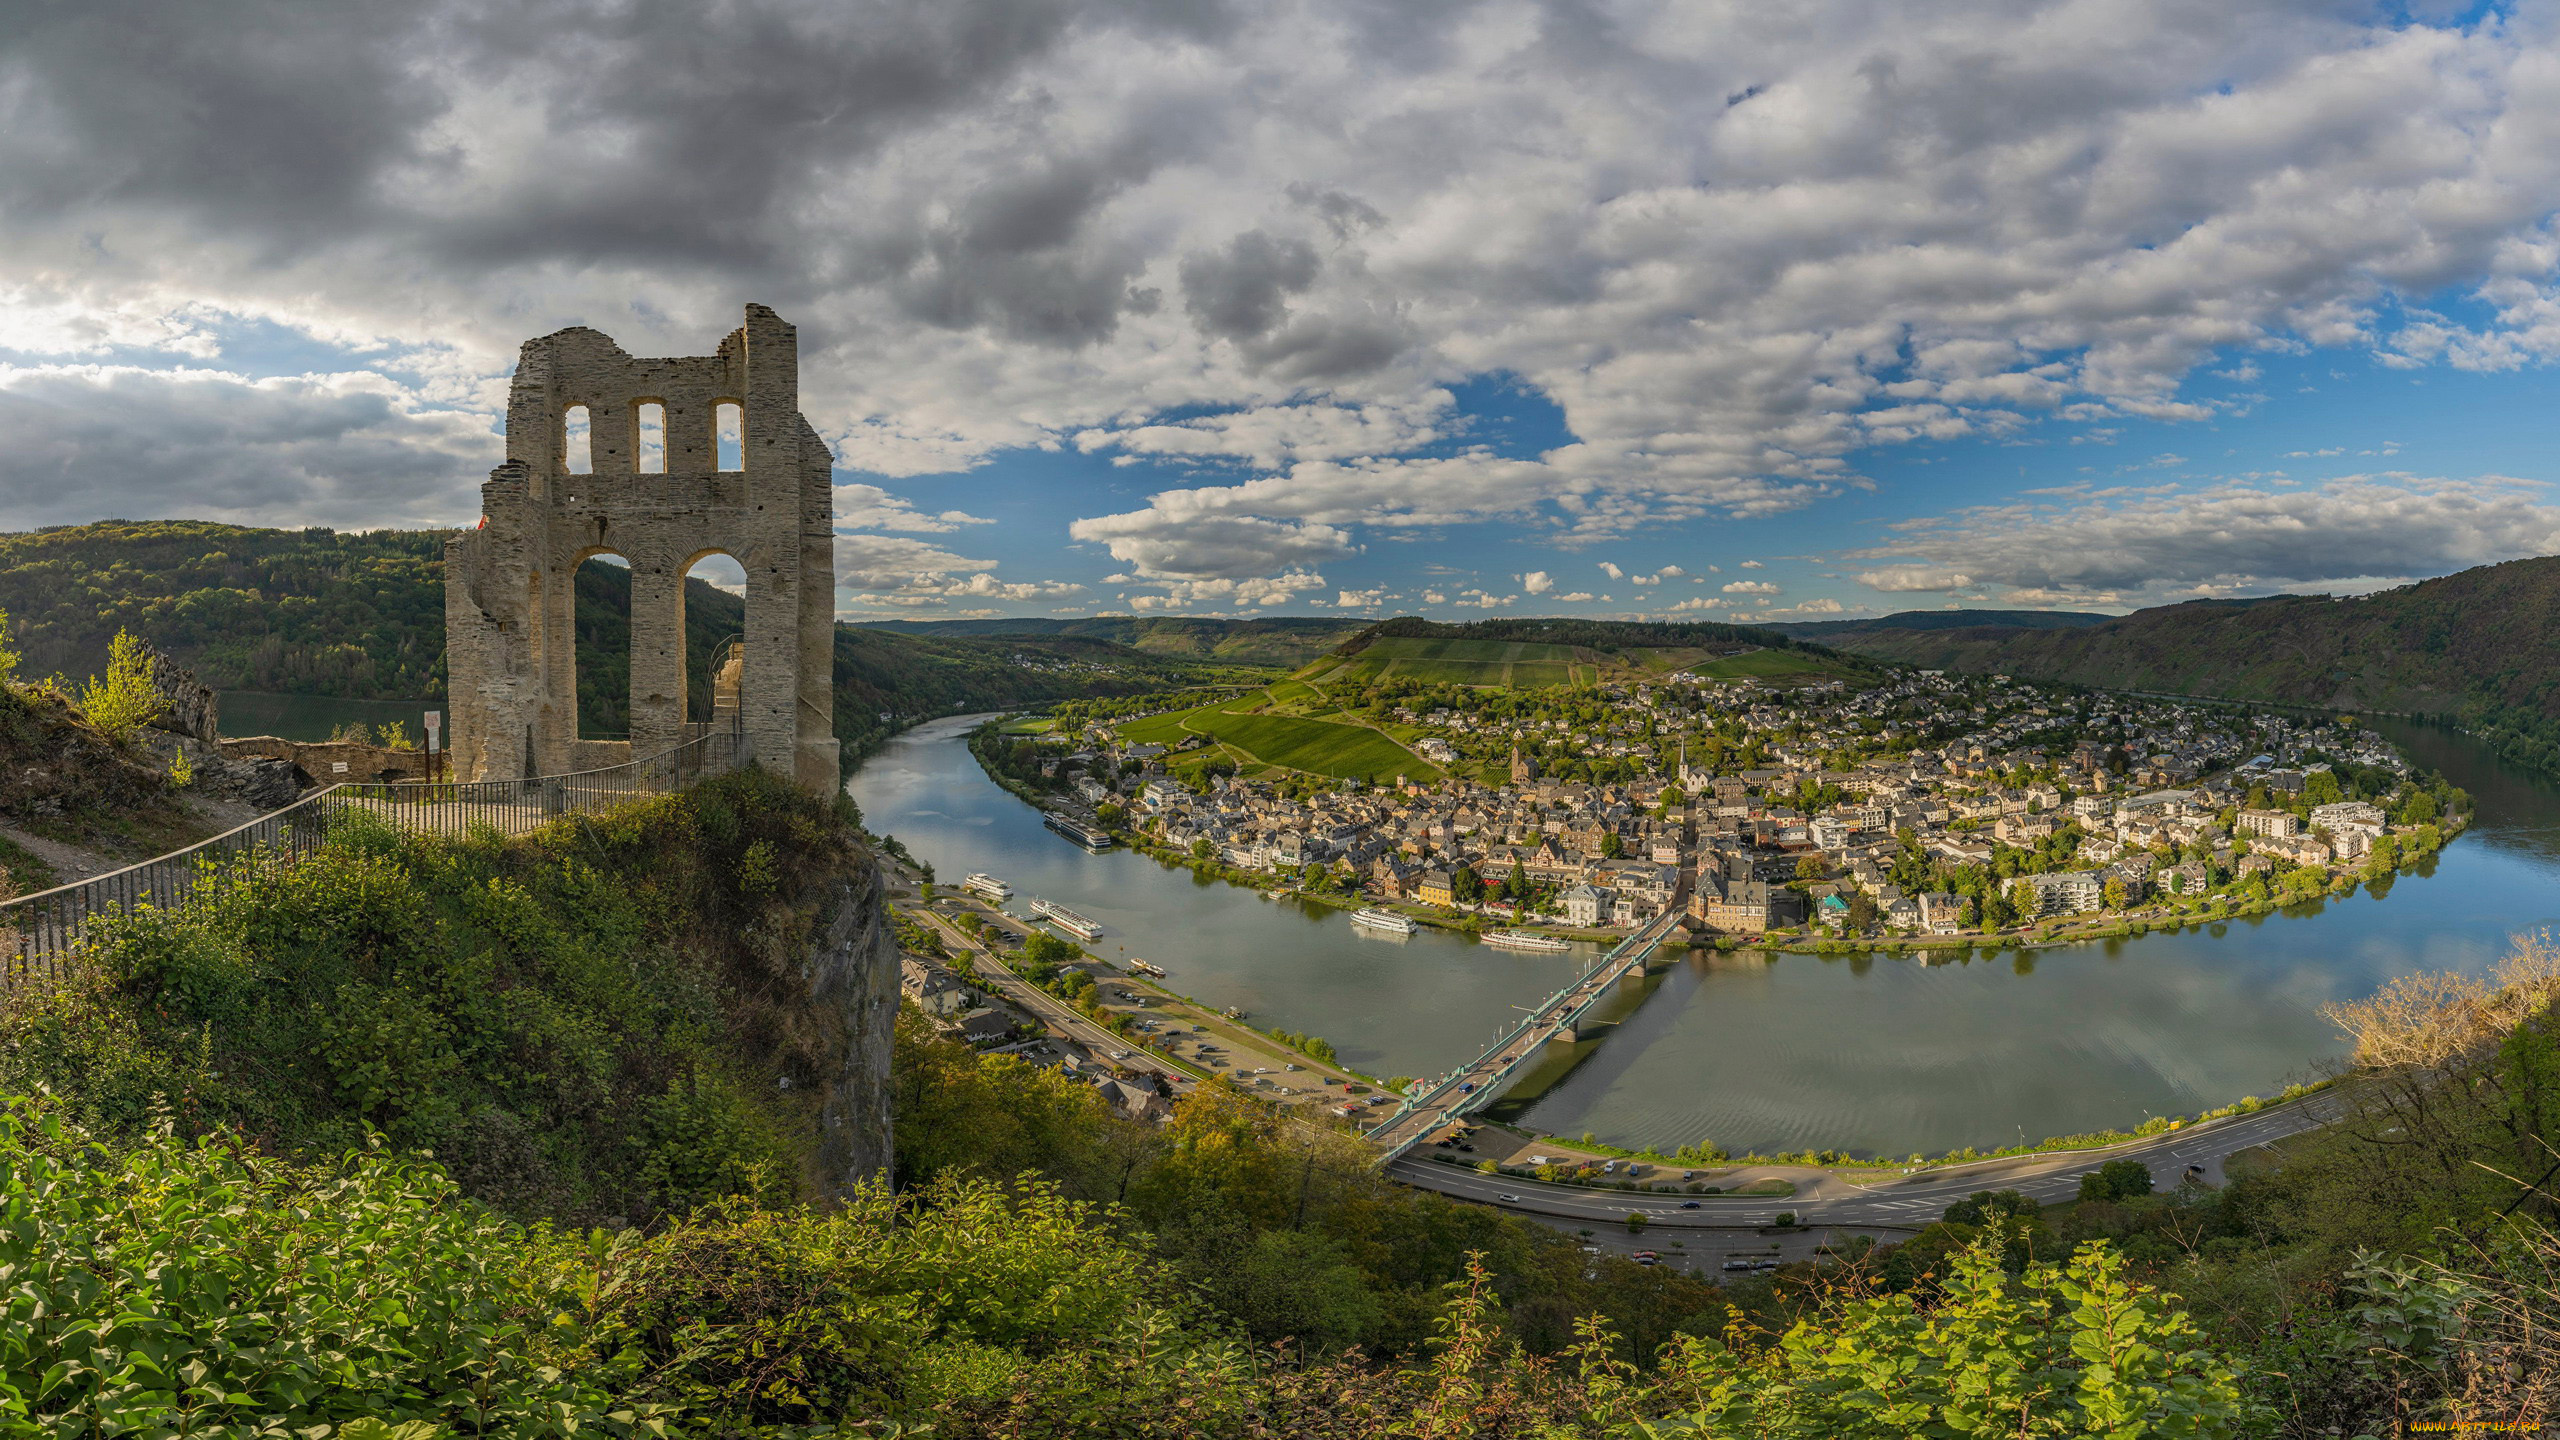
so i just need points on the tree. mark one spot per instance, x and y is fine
(2116, 1180)
(2081, 1349)
(1611, 847)
(2322, 788)
(124, 701)
(1985, 1207)
(8, 657)
(2115, 894)
(2023, 899)
(1808, 868)
(1466, 885)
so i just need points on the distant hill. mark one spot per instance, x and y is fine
(1530, 652)
(1837, 632)
(2483, 645)
(1275, 640)
(361, 615)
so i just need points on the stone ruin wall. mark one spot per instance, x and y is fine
(511, 660)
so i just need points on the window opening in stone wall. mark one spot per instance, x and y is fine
(729, 432)
(577, 442)
(653, 438)
(715, 613)
(601, 600)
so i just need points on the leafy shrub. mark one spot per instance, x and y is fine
(201, 1289)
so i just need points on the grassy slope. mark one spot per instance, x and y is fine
(1292, 742)
(606, 1019)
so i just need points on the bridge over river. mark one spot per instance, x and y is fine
(1426, 1110)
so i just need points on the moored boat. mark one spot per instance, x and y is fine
(988, 888)
(1387, 920)
(1066, 919)
(1523, 940)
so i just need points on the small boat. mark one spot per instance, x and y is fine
(1143, 968)
(1067, 920)
(1233, 1012)
(1523, 940)
(1387, 920)
(988, 888)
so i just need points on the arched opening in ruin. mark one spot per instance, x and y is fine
(729, 434)
(715, 622)
(649, 423)
(577, 441)
(600, 634)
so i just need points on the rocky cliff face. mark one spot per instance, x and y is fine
(852, 971)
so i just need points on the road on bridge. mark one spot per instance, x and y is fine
(1476, 1083)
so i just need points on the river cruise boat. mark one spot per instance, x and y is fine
(988, 888)
(1387, 920)
(1085, 835)
(1523, 940)
(1071, 922)
(1143, 968)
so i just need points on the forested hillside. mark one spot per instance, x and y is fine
(1281, 640)
(318, 612)
(2483, 644)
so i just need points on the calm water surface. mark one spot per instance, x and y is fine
(1874, 1054)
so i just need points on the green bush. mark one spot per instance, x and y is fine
(604, 1020)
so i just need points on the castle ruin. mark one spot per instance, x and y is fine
(658, 491)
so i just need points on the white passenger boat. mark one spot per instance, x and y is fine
(1066, 919)
(1387, 920)
(1523, 940)
(988, 888)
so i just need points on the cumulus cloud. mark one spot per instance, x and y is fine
(1731, 253)
(1750, 587)
(1753, 565)
(1259, 592)
(1163, 543)
(1577, 597)
(1897, 579)
(1537, 582)
(1612, 571)
(2221, 539)
(359, 449)
(895, 562)
(1360, 599)
(868, 507)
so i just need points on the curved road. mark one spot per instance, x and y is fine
(1908, 1203)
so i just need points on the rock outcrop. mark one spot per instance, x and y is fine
(852, 972)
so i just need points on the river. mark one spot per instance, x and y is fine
(1877, 1055)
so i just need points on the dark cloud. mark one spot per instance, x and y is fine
(354, 450)
(1241, 293)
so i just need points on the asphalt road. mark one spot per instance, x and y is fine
(1909, 1203)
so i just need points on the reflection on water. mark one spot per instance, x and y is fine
(1391, 1005)
(1868, 1053)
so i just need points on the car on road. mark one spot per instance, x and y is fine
(1508, 1199)
(1688, 1204)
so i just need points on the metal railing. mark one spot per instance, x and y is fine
(40, 934)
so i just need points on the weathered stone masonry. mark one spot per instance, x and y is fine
(510, 650)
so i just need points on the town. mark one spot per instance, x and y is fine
(1925, 805)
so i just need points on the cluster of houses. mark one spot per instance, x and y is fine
(2137, 778)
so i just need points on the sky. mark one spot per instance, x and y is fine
(1718, 311)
